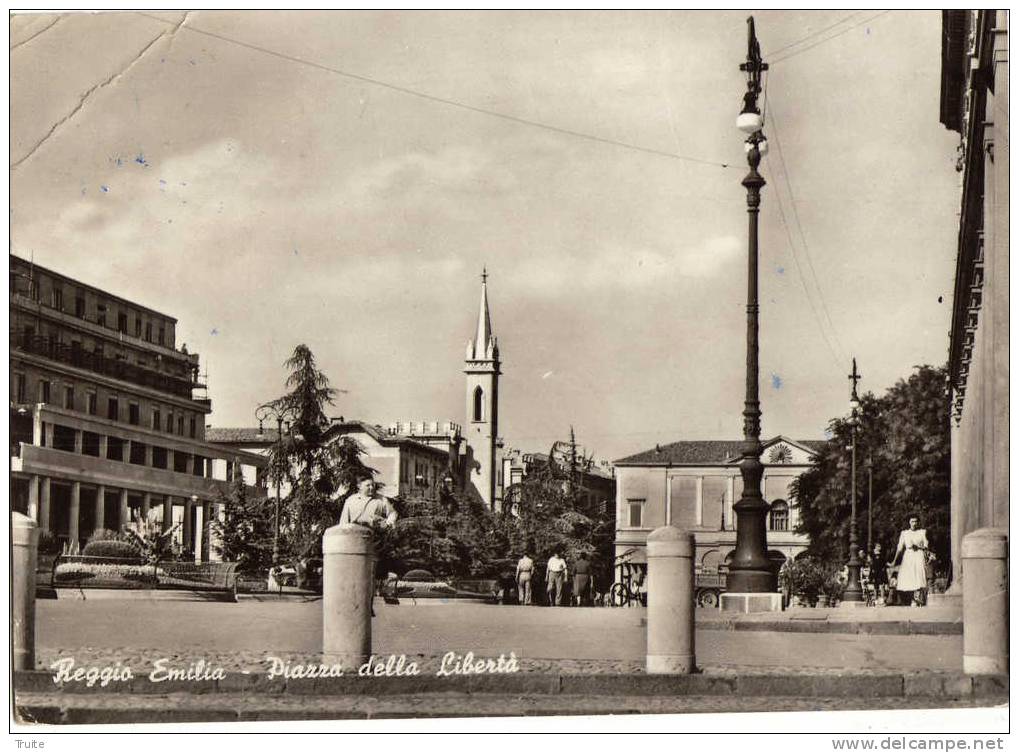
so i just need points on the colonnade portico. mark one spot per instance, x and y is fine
(72, 510)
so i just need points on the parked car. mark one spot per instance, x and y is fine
(421, 584)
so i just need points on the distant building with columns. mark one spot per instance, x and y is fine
(104, 424)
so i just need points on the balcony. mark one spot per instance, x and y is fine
(99, 364)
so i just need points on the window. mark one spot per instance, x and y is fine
(180, 425)
(19, 388)
(90, 444)
(79, 306)
(122, 322)
(169, 423)
(137, 453)
(69, 398)
(100, 317)
(91, 403)
(155, 419)
(159, 457)
(115, 448)
(138, 326)
(148, 331)
(194, 428)
(133, 414)
(33, 289)
(683, 504)
(779, 515)
(44, 391)
(58, 299)
(635, 510)
(479, 404)
(113, 409)
(180, 462)
(162, 335)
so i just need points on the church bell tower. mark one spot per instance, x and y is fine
(481, 428)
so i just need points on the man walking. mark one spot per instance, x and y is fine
(555, 579)
(525, 566)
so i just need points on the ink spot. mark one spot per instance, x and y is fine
(140, 159)
(104, 189)
(941, 299)
(214, 331)
(776, 382)
(780, 270)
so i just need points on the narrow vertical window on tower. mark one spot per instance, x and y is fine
(479, 404)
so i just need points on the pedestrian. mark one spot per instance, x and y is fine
(582, 581)
(370, 510)
(912, 549)
(525, 567)
(555, 579)
(879, 575)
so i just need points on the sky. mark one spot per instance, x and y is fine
(341, 178)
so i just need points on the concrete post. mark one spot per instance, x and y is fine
(985, 602)
(188, 533)
(206, 531)
(44, 503)
(347, 584)
(25, 538)
(670, 607)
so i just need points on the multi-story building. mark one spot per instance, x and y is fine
(410, 459)
(104, 424)
(974, 103)
(694, 484)
(596, 481)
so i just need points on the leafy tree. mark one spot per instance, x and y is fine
(906, 433)
(245, 532)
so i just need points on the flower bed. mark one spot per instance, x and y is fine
(106, 574)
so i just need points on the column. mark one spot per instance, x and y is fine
(189, 529)
(38, 430)
(730, 497)
(167, 512)
(73, 514)
(33, 498)
(100, 507)
(146, 505)
(700, 503)
(206, 530)
(104, 446)
(125, 511)
(78, 441)
(44, 503)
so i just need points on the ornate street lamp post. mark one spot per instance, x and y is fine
(854, 592)
(750, 570)
(279, 412)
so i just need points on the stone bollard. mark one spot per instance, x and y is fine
(25, 538)
(985, 602)
(347, 587)
(670, 602)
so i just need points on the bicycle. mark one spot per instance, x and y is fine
(627, 590)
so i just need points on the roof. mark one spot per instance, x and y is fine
(242, 435)
(338, 428)
(707, 451)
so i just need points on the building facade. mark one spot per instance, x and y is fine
(411, 460)
(693, 485)
(974, 103)
(104, 425)
(597, 481)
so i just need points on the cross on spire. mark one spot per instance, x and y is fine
(484, 275)
(854, 377)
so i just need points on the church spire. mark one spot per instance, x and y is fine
(484, 343)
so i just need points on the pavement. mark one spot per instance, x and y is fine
(240, 636)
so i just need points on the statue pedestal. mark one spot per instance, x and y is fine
(752, 602)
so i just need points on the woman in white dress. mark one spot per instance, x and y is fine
(913, 570)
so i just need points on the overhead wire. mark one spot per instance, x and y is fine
(770, 114)
(444, 100)
(848, 29)
(808, 37)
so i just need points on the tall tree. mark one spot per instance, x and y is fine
(906, 433)
(320, 474)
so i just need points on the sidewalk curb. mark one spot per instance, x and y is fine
(896, 627)
(889, 685)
